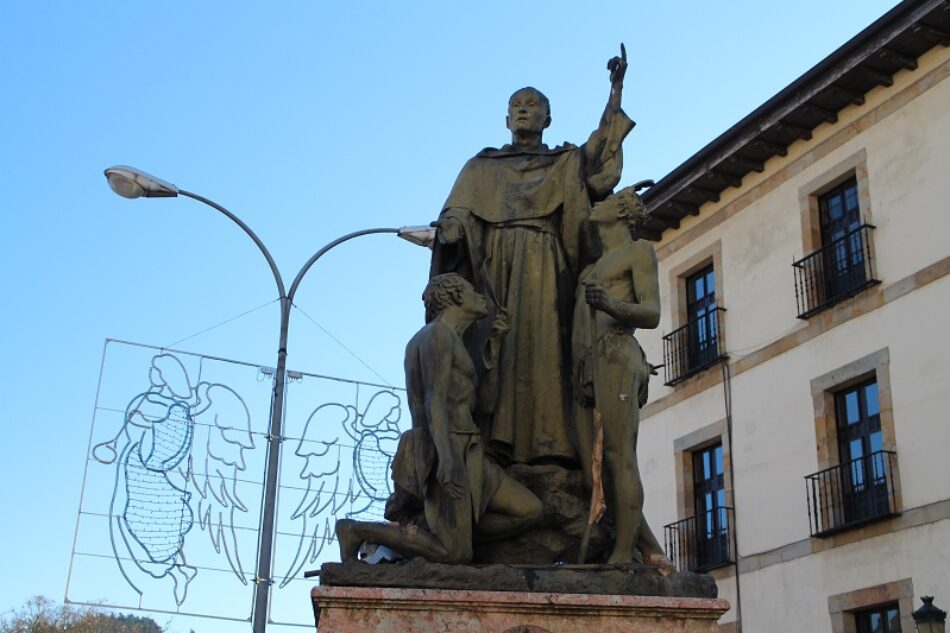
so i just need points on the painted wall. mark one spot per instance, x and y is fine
(903, 134)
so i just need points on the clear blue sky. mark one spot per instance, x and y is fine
(309, 120)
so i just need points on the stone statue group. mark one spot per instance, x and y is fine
(528, 355)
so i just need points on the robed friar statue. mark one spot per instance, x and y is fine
(513, 226)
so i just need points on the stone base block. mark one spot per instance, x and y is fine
(390, 610)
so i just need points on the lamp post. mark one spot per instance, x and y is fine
(130, 182)
(928, 618)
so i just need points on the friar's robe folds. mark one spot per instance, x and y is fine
(522, 211)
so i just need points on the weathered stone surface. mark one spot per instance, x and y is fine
(382, 610)
(557, 537)
(633, 580)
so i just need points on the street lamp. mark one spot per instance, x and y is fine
(130, 182)
(928, 618)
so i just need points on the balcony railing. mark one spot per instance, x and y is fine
(853, 493)
(702, 542)
(834, 272)
(693, 347)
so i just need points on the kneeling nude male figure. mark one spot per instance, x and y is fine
(441, 460)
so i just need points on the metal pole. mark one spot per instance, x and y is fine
(269, 515)
(263, 580)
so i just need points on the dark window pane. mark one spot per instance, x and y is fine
(851, 407)
(884, 619)
(877, 441)
(870, 396)
(711, 518)
(877, 469)
(856, 449)
(876, 623)
(834, 208)
(851, 198)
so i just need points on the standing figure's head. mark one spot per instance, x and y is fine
(529, 112)
(451, 289)
(625, 206)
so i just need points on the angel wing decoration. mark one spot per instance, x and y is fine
(222, 434)
(176, 439)
(375, 435)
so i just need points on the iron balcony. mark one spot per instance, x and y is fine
(860, 491)
(834, 272)
(702, 542)
(693, 347)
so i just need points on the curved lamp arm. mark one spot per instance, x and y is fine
(270, 260)
(320, 253)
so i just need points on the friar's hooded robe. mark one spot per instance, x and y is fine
(523, 212)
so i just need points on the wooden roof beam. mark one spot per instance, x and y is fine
(908, 63)
(670, 221)
(775, 148)
(649, 234)
(708, 194)
(748, 163)
(855, 97)
(830, 116)
(732, 179)
(799, 131)
(878, 76)
(682, 208)
(939, 34)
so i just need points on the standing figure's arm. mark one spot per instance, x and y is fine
(435, 361)
(644, 310)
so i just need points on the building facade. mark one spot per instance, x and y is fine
(796, 441)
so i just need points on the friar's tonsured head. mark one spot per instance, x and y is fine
(528, 111)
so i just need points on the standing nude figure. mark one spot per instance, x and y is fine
(621, 291)
(441, 461)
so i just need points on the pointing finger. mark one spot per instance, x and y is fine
(623, 52)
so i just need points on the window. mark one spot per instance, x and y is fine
(695, 345)
(841, 267)
(884, 608)
(709, 501)
(701, 310)
(883, 619)
(858, 481)
(860, 445)
(841, 239)
(703, 540)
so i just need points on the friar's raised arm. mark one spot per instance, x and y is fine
(603, 153)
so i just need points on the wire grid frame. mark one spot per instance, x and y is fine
(172, 494)
(340, 438)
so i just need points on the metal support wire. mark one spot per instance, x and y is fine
(85, 470)
(727, 403)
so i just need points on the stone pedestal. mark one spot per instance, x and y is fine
(399, 610)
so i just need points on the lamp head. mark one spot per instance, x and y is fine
(130, 182)
(421, 235)
(928, 618)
